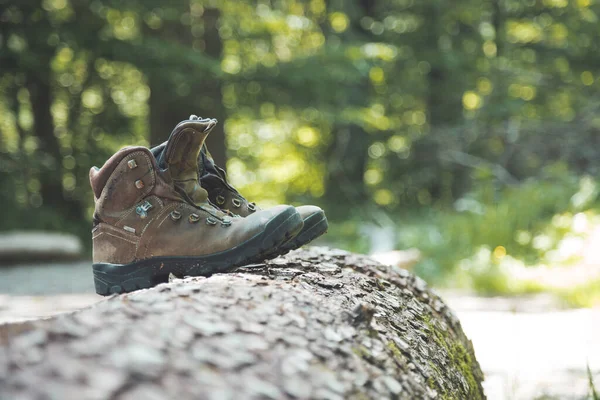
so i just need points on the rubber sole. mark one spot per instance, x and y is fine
(314, 226)
(123, 278)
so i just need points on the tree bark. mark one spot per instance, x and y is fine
(318, 323)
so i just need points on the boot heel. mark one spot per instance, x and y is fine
(108, 278)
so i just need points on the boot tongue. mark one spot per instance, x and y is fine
(181, 153)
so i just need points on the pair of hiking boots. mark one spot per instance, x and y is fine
(170, 210)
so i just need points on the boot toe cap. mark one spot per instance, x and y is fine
(309, 211)
(273, 216)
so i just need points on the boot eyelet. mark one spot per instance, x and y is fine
(236, 203)
(226, 222)
(139, 184)
(220, 200)
(142, 209)
(131, 164)
(194, 218)
(211, 221)
(251, 206)
(175, 215)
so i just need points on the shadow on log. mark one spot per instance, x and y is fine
(317, 324)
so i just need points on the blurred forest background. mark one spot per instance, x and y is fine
(469, 130)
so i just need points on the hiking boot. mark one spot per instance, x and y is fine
(153, 219)
(226, 197)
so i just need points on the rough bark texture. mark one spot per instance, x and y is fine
(317, 324)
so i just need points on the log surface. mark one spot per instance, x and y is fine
(317, 324)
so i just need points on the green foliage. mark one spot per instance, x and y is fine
(492, 230)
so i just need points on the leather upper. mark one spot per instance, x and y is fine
(143, 210)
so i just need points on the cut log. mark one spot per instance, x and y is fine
(17, 247)
(317, 324)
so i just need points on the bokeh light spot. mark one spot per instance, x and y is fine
(587, 78)
(339, 21)
(373, 177)
(307, 136)
(471, 100)
(376, 74)
(383, 197)
(500, 252)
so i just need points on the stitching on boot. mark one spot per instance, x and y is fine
(115, 236)
(112, 178)
(121, 233)
(145, 240)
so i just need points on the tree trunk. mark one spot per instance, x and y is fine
(167, 106)
(498, 24)
(348, 153)
(204, 96)
(50, 177)
(164, 113)
(347, 162)
(444, 98)
(210, 89)
(319, 323)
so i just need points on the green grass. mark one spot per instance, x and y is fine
(586, 295)
(593, 393)
(473, 244)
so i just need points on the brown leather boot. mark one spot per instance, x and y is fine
(226, 197)
(153, 219)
